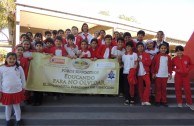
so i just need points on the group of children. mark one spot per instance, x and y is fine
(143, 65)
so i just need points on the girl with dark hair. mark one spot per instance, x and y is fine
(12, 82)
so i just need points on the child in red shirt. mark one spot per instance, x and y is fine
(161, 70)
(104, 51)
(49, 44)
(78, 38)
(58, 50)
(101, 40)
(23, 62)
(71, 48)
(94, 49)
(144, 62)
(84, 52)
(182, 65)
(28, 49)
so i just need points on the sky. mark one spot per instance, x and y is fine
(174, 17)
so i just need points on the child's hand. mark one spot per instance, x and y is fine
(153, 76)
(170, 77)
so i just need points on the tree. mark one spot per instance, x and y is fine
(7, 17)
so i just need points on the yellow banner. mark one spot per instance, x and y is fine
(83, 76)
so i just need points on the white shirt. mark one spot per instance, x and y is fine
(136, 41)
(117, 52)
(90, 37)
(129, 62)
(58, 52)
(12, 80)
(152, 52)
(163, 68)
(71, 51)
(141, 71)
(86, 54)
(27, 54)
(106, 53)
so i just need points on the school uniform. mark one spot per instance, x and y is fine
(101, 41)
(24, 64)
(47, 50)
(78, 40)
(12, 83)
(114, 42)
(104, 52)
(58, 51)
(129, 62)
(85, 53)
(119, 52)
(162, 68)
(182, 66)
(162, 42)
(71, 51)
(93, 52)
(86, 36)
(136, 41)
(144, 76)
(152, 52)
(28, 54)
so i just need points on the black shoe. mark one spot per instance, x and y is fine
(18, 123)
(157, 104)
(164, 104)
(8, 123)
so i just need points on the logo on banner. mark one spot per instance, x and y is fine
(111, 75)
(57, 60)
(81, 64)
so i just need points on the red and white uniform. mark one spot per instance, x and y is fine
(28, 54)
(104, 52)
(78, 40)
(93, 52)
(71, 51)
(182, 66)
(129, 62)
(161, 67)
(117, 52)
(24, 64)
(144, 76)
(152, 52)
(114, 42)
(101, 41)
(12, 82)
(86, 36)
(85, 53)
(58, 51)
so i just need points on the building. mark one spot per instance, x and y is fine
(39, 18)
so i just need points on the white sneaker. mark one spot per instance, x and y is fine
(180, 105)
(190, 106)
(146, 103)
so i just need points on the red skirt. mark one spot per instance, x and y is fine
(14, 98)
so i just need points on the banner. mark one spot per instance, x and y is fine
(83, 76)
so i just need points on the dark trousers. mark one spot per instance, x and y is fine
(121, 84)
(37, 97)
(126, 87)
